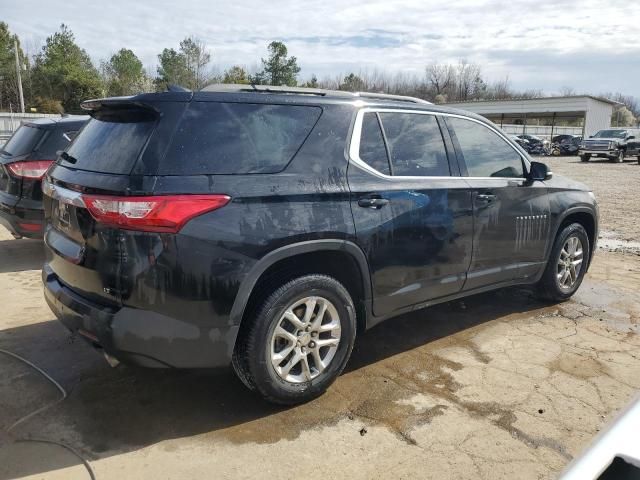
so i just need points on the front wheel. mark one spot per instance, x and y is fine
(638, 159)
(299, 341)
(585, 158)
(620, 157)
(567, 264)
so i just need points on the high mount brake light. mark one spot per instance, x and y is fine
(167, 213)
(30, 169)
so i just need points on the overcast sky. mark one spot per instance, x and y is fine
(591, 45)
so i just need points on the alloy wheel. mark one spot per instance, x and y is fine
(305, 339)
(570, 262)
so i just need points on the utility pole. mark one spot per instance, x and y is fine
(19, 76)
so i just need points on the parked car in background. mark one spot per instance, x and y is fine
(612, 143)
(566, 145)
(537, 145)
(561, 138)
(520, 141)
(23, 161)
(267, 226)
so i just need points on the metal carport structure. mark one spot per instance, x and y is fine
(595, 111)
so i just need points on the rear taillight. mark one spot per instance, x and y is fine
(151, 214)
(33, 170)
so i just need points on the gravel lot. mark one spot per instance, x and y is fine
(617, 188)
(496, 386)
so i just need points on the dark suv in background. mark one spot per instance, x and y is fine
(265, 227)
(23, 160)
(612, 143)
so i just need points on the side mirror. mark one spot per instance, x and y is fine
(590, 136)
(631, 137)
(539, 172)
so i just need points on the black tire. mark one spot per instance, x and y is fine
(638, 159)
(620, 157)
(549, 287)
(251, 358)
(585, 158)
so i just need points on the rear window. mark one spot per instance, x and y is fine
(111, 142)
(228, 138)
(23, 140)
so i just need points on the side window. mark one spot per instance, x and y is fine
(372, 149)
(237, 138)
(415, 144)
(485, 153)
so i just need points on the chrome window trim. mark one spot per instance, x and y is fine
(354, 145)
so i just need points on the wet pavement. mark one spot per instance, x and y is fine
(498, 385)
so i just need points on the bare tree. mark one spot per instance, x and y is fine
(440, 78)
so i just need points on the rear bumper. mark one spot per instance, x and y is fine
(139, 337)
(22, 222)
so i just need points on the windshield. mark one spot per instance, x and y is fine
(23, 140)
(610, 134)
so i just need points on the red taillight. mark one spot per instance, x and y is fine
(151, 214)
(33, 170)
(30, 227)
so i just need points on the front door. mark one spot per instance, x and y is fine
(413, 218)
(511, 214)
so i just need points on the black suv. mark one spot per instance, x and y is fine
(265, 227)
(23, 161)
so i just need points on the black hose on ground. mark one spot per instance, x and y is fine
(42, 409)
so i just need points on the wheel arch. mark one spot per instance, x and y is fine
(586, 217)
(290, 260)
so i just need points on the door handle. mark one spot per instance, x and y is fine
(372, 202)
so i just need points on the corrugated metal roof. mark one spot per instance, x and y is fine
(566, 97)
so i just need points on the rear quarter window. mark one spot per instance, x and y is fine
(238, 138)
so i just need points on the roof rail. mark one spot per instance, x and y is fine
(388, 96)
(226, 87)
(233, 87)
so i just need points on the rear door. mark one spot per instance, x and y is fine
(511, 215)
(412, 211)
(633, 142)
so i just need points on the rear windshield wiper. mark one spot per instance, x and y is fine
(68, 158)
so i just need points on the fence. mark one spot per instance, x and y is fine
(9, 122)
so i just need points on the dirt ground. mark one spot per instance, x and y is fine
(617, 189)
(496, 386)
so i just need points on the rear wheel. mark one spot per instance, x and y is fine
(585, 157)
(638, 159)
(299, 341)
(567, 264)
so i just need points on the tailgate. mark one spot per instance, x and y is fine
(83, 254)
